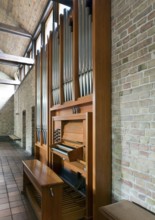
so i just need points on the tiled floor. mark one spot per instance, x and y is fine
(13, 205)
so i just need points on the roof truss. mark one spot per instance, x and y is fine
(11, 59)
(14, 30)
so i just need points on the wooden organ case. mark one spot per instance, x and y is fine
(73, 117)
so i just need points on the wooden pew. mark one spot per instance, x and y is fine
(14, 138)
(43, 189)
(125, 210)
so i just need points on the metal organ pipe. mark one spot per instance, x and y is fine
(38, 122)
(44, 95)
(67, 65)
(55, 68)
(85, 47)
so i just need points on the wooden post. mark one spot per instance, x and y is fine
(101, 104)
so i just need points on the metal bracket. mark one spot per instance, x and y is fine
(51, 191)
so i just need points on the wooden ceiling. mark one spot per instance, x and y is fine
(22, 15)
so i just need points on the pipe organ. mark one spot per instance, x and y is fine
(73, 106)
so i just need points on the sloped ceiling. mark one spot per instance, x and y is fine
(24, 14)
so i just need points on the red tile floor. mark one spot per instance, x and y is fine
(13, 205)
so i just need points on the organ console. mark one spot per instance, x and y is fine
(71, 158)
(73, 106)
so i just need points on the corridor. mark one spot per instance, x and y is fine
(13, 205)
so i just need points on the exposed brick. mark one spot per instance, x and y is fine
(142, 175)
(125, 40)
(123, 34)
(142, 67)
(152, 78)
(142, 52)
(134, 34)
(124, 14)
(126, 53)
(151, 31)
(141, 189)
(143, 44)
(124, 27)
(132, 42)
(125, 60)
(142, 21)
(146, 26)
(149, 72)
(145, 80)
(137, 132)
(152, 47)
(142, 36)
(143, 13)
(142, 59)
(132, 28)
(151, 15)
(133, 100)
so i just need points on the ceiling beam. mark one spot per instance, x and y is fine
(64, 2)
(9, 82)
(11, 59)
(14, 30)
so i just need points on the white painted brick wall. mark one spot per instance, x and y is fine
(24, 100)
(7, 118)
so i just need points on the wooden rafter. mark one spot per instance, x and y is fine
(11, 59)
(9, 82)
(14, 30)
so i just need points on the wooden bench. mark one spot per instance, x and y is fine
(43, 188)
(125, 210)
(14, 138)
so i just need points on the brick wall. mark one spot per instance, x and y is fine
(133, 101)
(6, 118)
(24, 100)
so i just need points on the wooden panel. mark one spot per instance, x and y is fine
(73, 127)
(70, 117)
(73, 131)
(101, 104)
(89, 165)
(41, 153)
(80, 101)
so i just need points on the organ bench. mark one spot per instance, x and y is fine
(43, 188)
